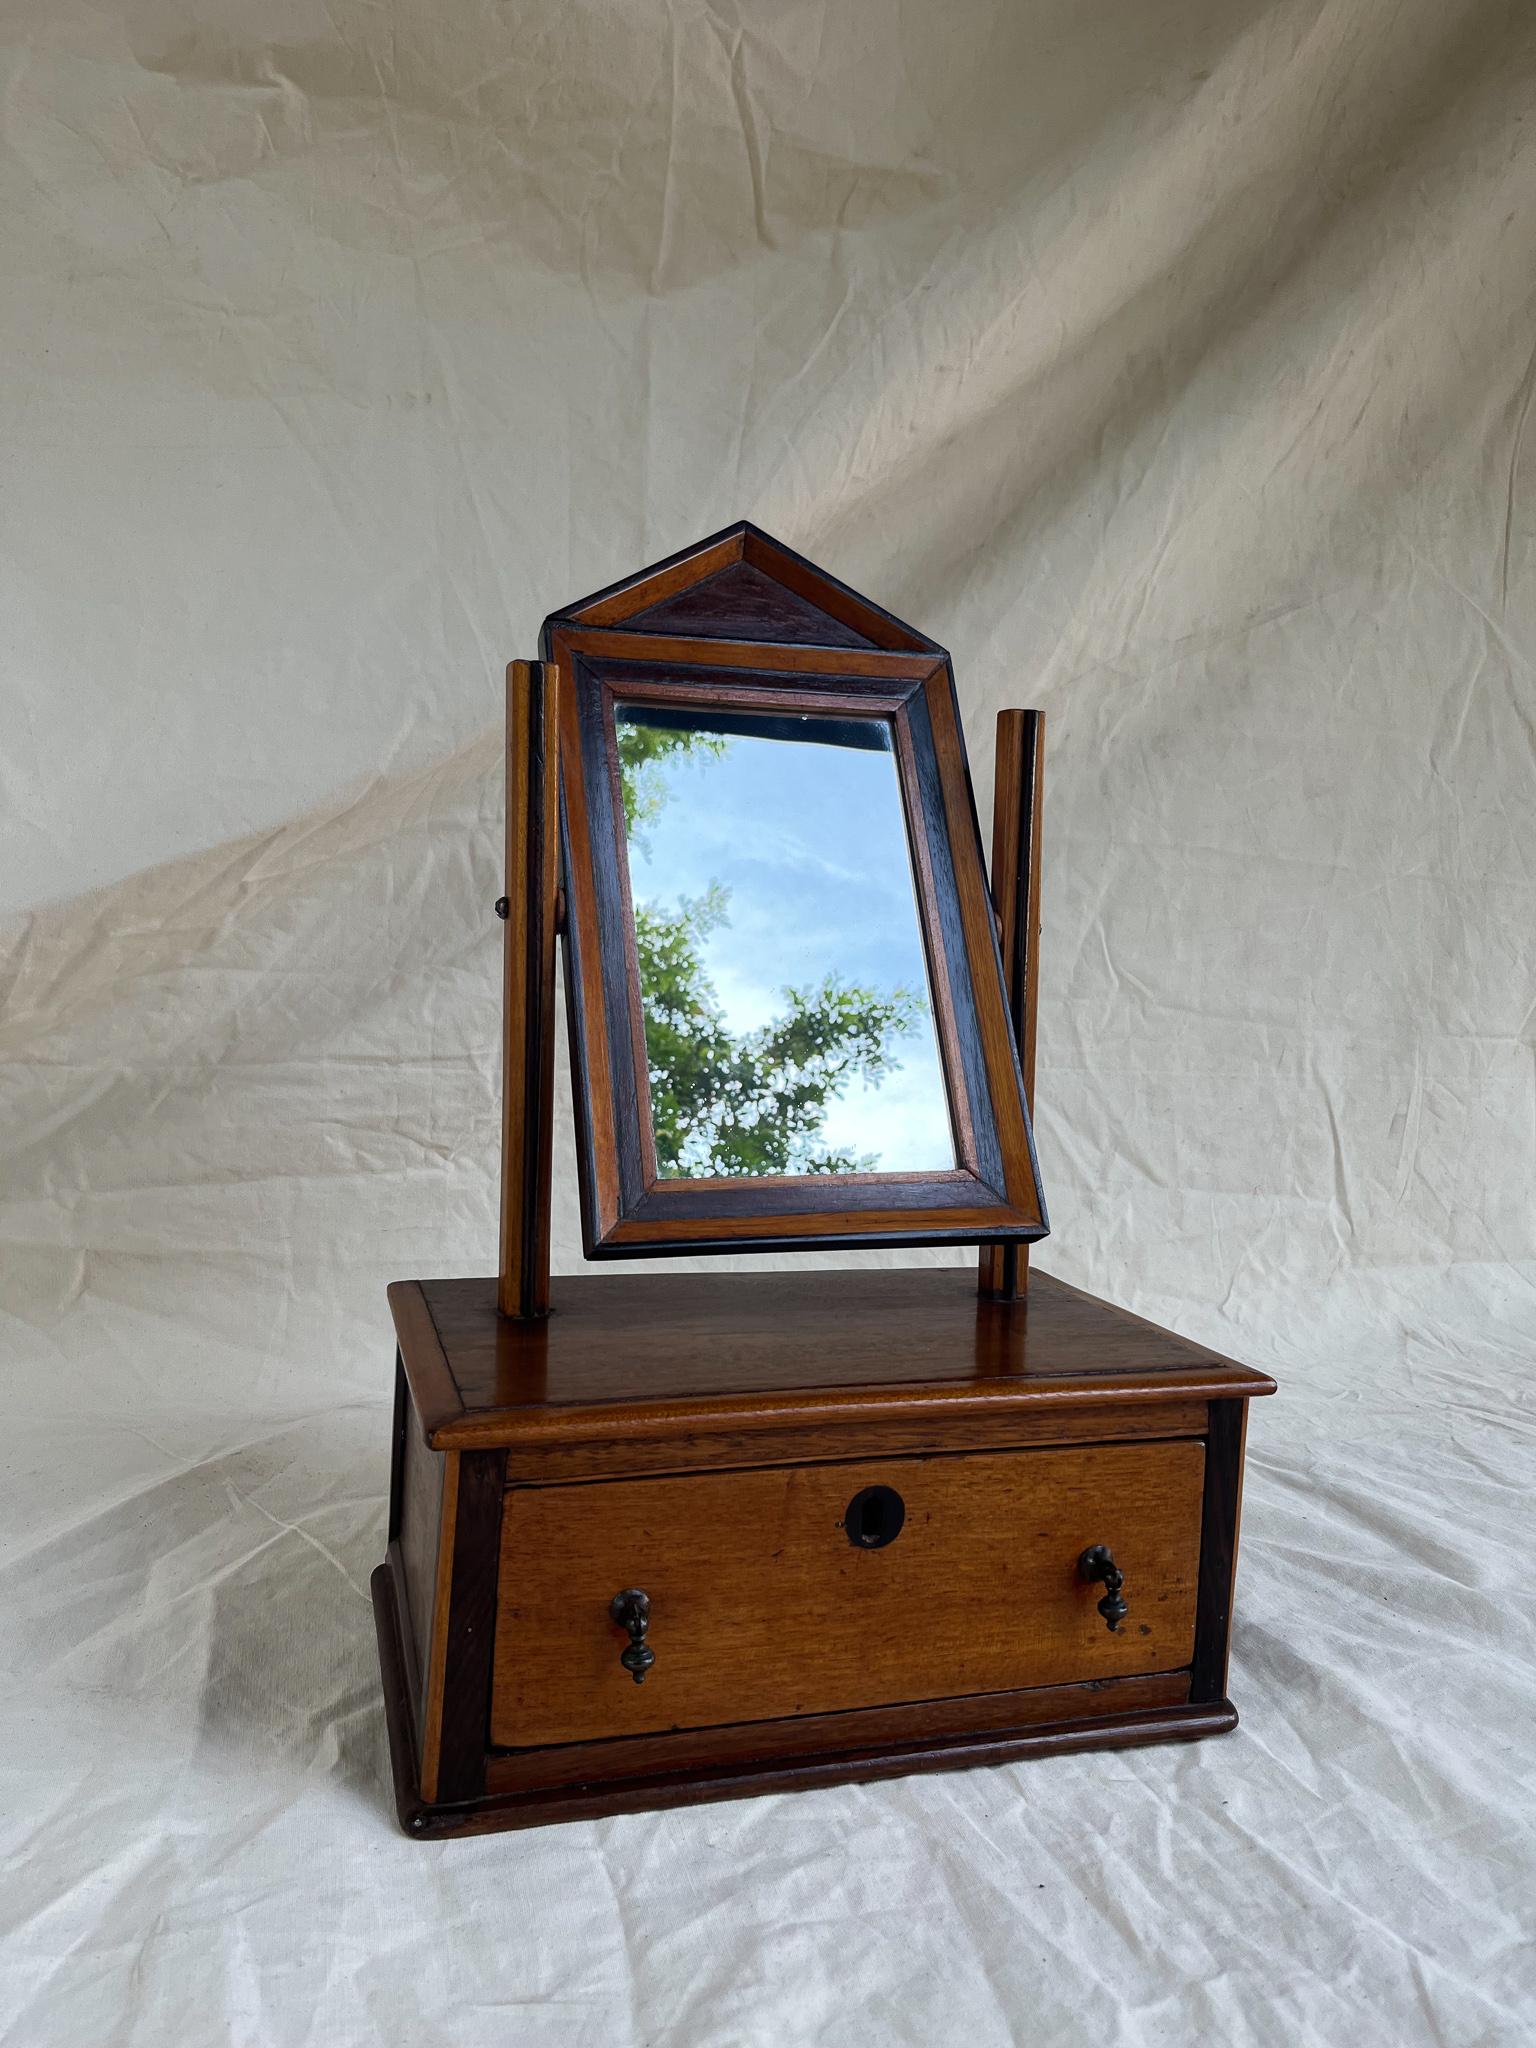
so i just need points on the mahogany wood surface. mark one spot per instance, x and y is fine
(467, 1626)
(434, 1648)
(762, 1607)
(1003, 1269)
(740, 602)
(528, 985)
(1227, 1430)
(427, 1820)
(695, 587)
(700, 1435)
(416, 1514)
(740, 1742)
(826, 592)
(401, 1667)
(663, 580)
(628, 1209)
(717, 1353)
(433, 1387)
(707, 1437)
(565, 644)
(636, 1451)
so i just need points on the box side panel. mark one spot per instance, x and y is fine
(420, 1508)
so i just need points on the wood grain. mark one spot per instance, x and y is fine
(596, 1087)
(944, 939)
(994, 1026)
(828, 594)
(528, 985)
(412, 1658)
(575, 1800)
(434, 1651)
(418, 1532)
(652, 586)
(671, 1355)
(803, 603)
(433, 1388)
(740, 618)
(636, 1453)
(762, 1742)
(1227, 1432)
(762, 1608)
(1003, 1269)
(741, 602)
(627, 1209)
(468, 1626)
(566, 645)
(701, 1435)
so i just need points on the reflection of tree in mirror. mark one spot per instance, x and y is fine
(752, 1102)
(727, 1102)
(642, 780)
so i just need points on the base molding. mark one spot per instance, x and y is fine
(547, 1805)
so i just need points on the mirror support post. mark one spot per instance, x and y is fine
(528, 986)
(1003, 1273)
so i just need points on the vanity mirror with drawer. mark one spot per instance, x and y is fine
(659, 1536)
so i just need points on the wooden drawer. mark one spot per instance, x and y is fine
(763, 1607)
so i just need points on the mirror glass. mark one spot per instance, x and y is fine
(788, 1020)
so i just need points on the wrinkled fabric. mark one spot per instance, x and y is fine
(1172, 363)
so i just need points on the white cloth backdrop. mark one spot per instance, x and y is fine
(1170, 360)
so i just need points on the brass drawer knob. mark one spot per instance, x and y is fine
(631, 1609)
(1098, 1562)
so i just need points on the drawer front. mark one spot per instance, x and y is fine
(762, 1606)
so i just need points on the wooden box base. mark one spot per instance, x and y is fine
(697, 1435)
(540, 1808)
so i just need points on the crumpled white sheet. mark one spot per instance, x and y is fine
(1172, 363)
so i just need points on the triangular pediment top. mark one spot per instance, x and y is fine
(743, 584)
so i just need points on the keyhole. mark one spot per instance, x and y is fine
(874, 1517)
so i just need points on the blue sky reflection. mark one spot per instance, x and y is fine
(810, 841)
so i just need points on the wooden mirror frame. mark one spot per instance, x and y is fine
(993, 1194)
